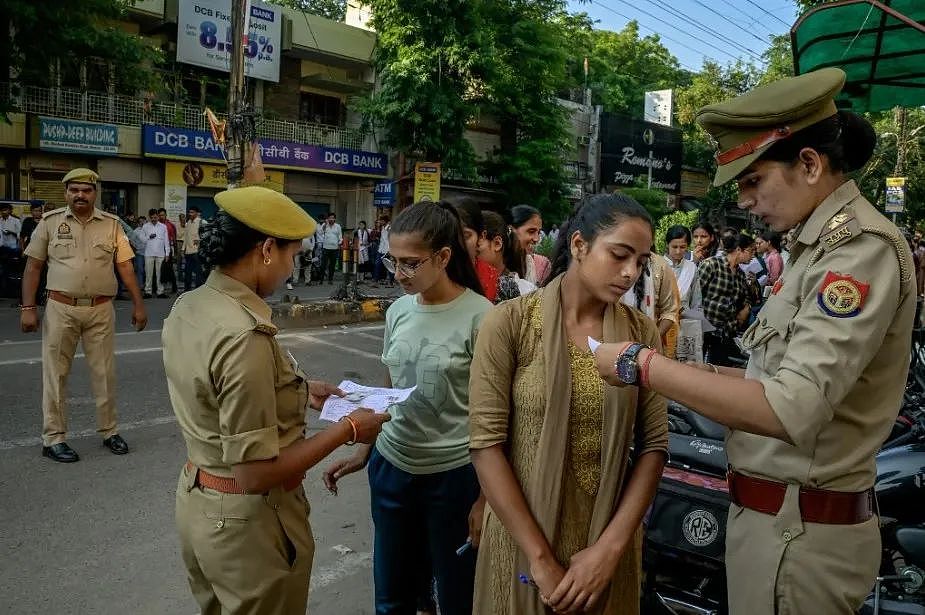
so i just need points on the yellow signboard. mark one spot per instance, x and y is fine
(895, 195)
(199, 175)
(426, 181)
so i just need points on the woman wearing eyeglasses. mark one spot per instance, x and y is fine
(426, 501)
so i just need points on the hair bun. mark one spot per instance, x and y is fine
(859, 139)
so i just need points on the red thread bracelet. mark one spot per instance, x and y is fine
(644, 370)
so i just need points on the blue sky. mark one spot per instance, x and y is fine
(692, 31)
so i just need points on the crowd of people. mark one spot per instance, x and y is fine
(516, 478)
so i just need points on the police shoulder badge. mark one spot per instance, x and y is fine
(842, 296)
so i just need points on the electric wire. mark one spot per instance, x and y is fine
(682, 31)
(726, 18)
(768, 13)
(656, 32)
(706, 29)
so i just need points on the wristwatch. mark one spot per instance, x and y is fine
(626, 366)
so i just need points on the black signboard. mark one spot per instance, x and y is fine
(629, 146)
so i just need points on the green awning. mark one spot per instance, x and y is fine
(880, 45)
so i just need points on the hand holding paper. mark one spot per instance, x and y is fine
(356, 396)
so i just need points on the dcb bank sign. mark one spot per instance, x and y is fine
(185, 144)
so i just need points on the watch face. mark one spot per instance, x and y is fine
(626, 370)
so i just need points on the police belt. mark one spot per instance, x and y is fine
(225, 484)
(80, 302)
(816, 505)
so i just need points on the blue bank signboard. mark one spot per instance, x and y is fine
(185, 144)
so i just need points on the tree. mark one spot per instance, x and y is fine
(332, 9)
(429, 59)
(527, 48)
(623, 66)
(714, 83)
(52, 33)
(779, 58)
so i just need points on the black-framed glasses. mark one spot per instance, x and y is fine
(405, 269)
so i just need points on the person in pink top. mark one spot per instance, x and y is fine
(768, 246)
(527, 224)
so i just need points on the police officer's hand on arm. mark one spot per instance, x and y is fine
(730, 399)
(29, 316)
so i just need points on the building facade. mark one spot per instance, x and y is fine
(157, 150)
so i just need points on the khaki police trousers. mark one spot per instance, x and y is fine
(781, 565)
(245, 554)
(62, 327)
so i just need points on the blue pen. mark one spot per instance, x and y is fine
(464, 548)
(527, 580)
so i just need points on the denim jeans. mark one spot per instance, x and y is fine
(192, 267)
(140, 269)
(417, 515)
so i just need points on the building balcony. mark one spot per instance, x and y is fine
(128, 111)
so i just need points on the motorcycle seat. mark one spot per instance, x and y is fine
(701, 425)
(912, 543)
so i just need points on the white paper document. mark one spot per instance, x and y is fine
(377, 399)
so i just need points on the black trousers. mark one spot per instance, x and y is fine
(328, 262)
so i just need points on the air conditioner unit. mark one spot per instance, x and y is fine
(584, 140)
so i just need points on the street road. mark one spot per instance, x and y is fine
(98, 536)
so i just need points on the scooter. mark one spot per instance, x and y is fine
(683, 557)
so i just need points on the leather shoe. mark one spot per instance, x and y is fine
(116, 444)
(60, 452)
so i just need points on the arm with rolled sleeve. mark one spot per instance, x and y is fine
(826, 355)
(245, 381)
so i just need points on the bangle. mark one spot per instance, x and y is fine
(713, 367)
(27, 307)
(644, 369)
(356, 430)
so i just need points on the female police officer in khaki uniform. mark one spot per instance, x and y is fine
(829, 354)
(241, 510)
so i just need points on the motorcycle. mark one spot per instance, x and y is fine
(683, 556)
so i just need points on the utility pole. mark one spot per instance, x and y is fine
(899, 116)
(235, 142)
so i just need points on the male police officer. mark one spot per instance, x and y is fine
(80, 244)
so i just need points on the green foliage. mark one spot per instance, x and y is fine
(443, 64)
(654, 201)
(332, 9)
(42, 34)
(429, 59)
(644, 64)
(526, 43)
(545, 247)
(675, 218)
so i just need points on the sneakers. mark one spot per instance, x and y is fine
(289, 286)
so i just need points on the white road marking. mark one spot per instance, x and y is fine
(344, 567)
(38, 340)
(79, 355)
(311, 339)
(86, 433)
(370, 336)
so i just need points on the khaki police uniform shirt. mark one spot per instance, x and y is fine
(832, 347)
(80, 255)
(236, 396)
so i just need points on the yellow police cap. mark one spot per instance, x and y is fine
(746, 126)
(81, 176)
(267, 211)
